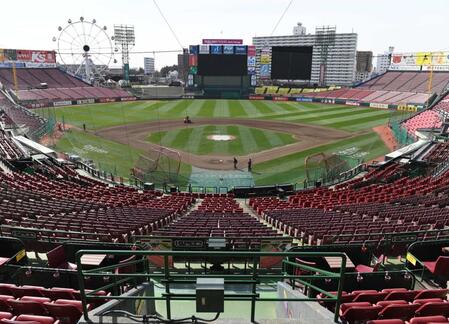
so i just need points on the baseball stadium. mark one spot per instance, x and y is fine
(272, 179)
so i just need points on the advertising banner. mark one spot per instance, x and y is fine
(193, 60)
(128, 99)
(39, 65)
(303, 99)
(209, 41)
(2, 58)
(228, 49)
(216, 49)
(10, 55)
(265, 59)
(104, 100)
(251, 61)
(352, 103)
(420, 61)
(62, 103)
(253, 79)
(10, 64)
(251, 69)
(240, 50)
(193, 70)
(251, 50)
(280, 98)
(378, 105)
(204, 49)
(264, 71)
(193, 49)
(85, 101)
(256, 97)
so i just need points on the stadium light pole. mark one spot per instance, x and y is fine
(125, 39)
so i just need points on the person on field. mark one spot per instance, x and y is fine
(235, 163)
(250, 165)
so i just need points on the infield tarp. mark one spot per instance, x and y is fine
(220, 178)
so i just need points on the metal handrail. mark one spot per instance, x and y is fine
(168, 278)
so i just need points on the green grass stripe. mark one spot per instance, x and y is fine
(342, 112)
(194, 140)
(206, 146)
(169, 137)
(181, 140)
(207, 109)
(165, 109)
(221, 109)
(235, 147)
(292, 107)
(194, 108)
(221, 147)
(180, 108)
(353, 121)
(236, 109)
(309, 112)
(248, 142)
(262, 107)
(250, 109)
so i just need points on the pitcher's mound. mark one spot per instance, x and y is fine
(221, 137)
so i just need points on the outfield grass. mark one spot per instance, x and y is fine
(111, 114)
(247, 139)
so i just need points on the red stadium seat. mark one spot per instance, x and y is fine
(428, 319)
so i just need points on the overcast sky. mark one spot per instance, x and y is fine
(409, 25)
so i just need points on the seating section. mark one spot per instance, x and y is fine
(63, 204)
(9, 149)
(36, 304)
(63, 94)
(407, 81)
(32, 78)
(390, 304)
(383, 201)
(217, 216)
(431, 118)
(20, 116)
(374, 96)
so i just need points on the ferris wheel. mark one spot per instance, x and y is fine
(85, 48)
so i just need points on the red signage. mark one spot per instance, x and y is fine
(280, 99)
(223, 41)
(36, 56)
(251, 50)
(193, 60)
(256, 97)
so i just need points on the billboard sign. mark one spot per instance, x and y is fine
(193, 60)
(27, 56)
(204, 49)
(265, 59)
(251, 61)
(216, 49)
(193, 49)
(251, 50)
(228, 49)
(240, 50)
(209, 41)
(437, 61)
(264, 71)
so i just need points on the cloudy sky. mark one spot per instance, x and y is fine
(409, 25)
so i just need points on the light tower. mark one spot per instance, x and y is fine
(125, 39)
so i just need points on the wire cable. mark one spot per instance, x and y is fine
(282, 16)
(169, 26)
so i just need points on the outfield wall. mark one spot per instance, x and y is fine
(412, 107)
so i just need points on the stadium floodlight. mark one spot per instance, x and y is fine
(124, 38)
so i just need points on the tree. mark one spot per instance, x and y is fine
(168, 68)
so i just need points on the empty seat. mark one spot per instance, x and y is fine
(31, 319)
(66, 313)
(428, 319)
(386, 321)
(27, 307)
(439, 267)
(360, 313)
(432, 293)
(398, 311)
(430, 309)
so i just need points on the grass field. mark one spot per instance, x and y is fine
(120, 159)
(247, 139)
(105, 115)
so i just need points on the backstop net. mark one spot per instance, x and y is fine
(160, 166)
(326, 168)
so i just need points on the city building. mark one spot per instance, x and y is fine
(384, 60)
(364, 65)
(183, 64)
(148, 65)
(333, 58)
